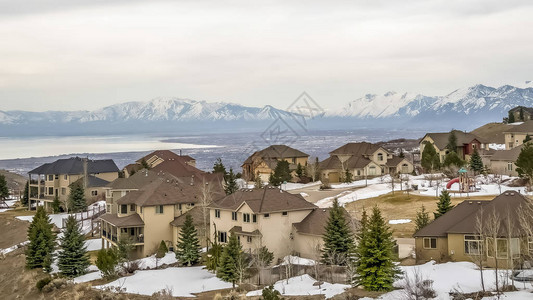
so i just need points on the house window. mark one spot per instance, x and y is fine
(56, 177)
(358, 172)
(268, 216)
(108, 208)
(123, 209)
(222, 237)
(372, 171)
(511, 145)
(515, 247)
(65, 177)
(94, 193)
(159, 209)
(502, 248)
(473, 244)
(63, 191)
(246, 218)
(179, 206)
(50, 191)
(405, 168)
(141, 209)
(294, 160)
(50, 177)
(530, 244)
(430, 243)
(380, 156)
(217, 213)
(509, 166)
(254, 218)
(249, 239)
(234, 215)
(284, 213)
(132, 207)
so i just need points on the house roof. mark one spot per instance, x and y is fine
(165, 155)
(395, 161)
(136, 181)
(93, 181)
(440, 139)
(275, 152)
(527, 109)
(507, 155)
(361, 148)
(315, 222)
(462, 218)
(74, 166)
(127, 221)
(197, 217)
(526, 127)
(179, 168)
(238, 230)
(265, 200)
(354, 162)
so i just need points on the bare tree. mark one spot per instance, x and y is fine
(316, 253)
(206, 198)
(312, 168)
(492, 229)
(478, 258)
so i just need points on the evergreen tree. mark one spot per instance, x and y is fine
(348, 177)
(281, 173)
(42, 241)
(511, 118)
(107, 262)
(264, 257)
(77, 198)
(524, 162)
(56, 205)
(188, 247)
(338, 238)
(375, 268)
(402, 155)
(213, 256)
(73, 259)
(4, 191)
(452, 159)
(299, 170)
(144, 164)
(452, 142)
(231, 183)
(219, 167)
(526, 139)
(231, 255)
(444, 204)
(522, 114)
(476, 164)
(430, 158)
(422, 218)
(258, 182)
(161, 250)
(317, 170)
(24, 199)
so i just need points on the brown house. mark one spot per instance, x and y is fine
(522, 113)
(455, 236)
(262, 163)
(503, 161)
(155, 158)
(362, 160)
(466, 144)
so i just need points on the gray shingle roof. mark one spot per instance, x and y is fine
(441, 138)
(315, 222)
(507, 155)
(526, 127)
(128, 221)
(74, 165)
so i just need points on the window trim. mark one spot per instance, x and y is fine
(234, 216)
(122, 210)
(266, 216)
(430, 243)
(246, 218)
(474, 239)
(159, 209)
(217, 213)
(284, 213)
(254, 218)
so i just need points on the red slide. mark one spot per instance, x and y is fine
(449, 185)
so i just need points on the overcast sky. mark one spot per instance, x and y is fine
(86, 54)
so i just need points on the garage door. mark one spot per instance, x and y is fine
(334, 177)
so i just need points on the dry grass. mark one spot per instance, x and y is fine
(402, 206)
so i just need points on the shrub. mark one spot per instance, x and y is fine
(269, 293)
(107, 262)
(43, 282)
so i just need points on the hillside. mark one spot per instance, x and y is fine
(14, 181)
(492, 132)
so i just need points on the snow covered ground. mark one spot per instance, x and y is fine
(460, 276)
(93, 244)
(182, 281)
(289, 186)
(303, 285)
(400, 221)
(9, 203)
(13, 248)
(295, 260)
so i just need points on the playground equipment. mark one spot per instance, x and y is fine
(466, 184)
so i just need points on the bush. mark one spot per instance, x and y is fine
(269, 293)
(107, 262)
(131, 266)
(43, 282)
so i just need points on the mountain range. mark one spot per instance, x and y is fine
(464, 108)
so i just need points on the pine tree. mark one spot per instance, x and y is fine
(317, 170)
(4, 191)
(401, 155)
(511, 119)
(218, 167)
(524, 162)
(56, 205)
(452, 141)
(144, 164)
(231, 254)
(299, 170)
(476, 163)
(338, 238)
(188, 247)
(213, 256)
(526, 139)
(231, 183)
(430, 159)
(42, 241)
(375, 266)
(161, 250)
(522, 114)
(24, 199)
(258, 182)
(73, 259)
(107, 262)
(452, 159)
(281, 173)
(422, 218)
(348, 177)
(77, 198)
(444, 204)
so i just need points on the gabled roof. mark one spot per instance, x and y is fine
(74, 166)
(265, 200)
(526, 127)
(354, 162)
(361, 148)
(165, 155)
(93, 181)
(197, 217)
(315, 222)
(275, 152)
(440, 139)
(395, 160)
(462, 218)
(133, 220)
(136, 181)
(507, 155)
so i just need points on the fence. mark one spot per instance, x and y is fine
(88, 220)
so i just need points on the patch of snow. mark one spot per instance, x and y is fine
(296, 260)
(182, 281)
(304, 195)
(93, 244)
(304, 285)
(57, 219)
(497, 146)
(400, 221)
(151, 262)
(289, 186)
(88, 277)
(13, 248)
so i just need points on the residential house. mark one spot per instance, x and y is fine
(262, 163)
(521, 113)
(362, 160)
(455, 237)
(285, 223)
(466, 143)
(502, 162)
(516, 135)
(155, 158)
(55, 179)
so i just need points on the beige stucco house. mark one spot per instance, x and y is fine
(466, 144)
(56, 178)
(502, 162)
(156, 158)
(454, 236)
(516, 135)
(285, 223)
(362, 160)
(262, 163)
(522, 113)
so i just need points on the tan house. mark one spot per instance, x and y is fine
(454, 236)
(155, 158)
(55, 179)
(522, 113)
(285, 223)
(502, 162)
(362, 160)
(516, 135)
(466, 144)
(262, 163)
